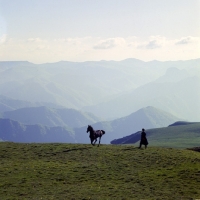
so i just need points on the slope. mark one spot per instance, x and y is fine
(179, 134)
(64, 171)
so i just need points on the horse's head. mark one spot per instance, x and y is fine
(89, 128)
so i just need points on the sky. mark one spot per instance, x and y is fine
(91, 30)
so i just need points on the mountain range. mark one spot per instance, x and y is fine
(120, 97)
(108, 89)
(75, 123)
(10, 104)
(51, 117)
(16, 132)
(179, 96)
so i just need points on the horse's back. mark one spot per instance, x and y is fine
(98, 133)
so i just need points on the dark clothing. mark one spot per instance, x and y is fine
(143, 140)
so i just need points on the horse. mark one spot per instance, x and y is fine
(95, 134)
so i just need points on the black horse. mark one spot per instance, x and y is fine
(95, 134)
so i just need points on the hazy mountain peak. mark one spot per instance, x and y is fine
(151, 109)
(132, 61)
(173, 74)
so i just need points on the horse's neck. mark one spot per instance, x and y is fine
(91, 131)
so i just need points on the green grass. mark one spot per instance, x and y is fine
(182, 136)
(77, 171)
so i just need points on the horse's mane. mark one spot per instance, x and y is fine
(91, 127)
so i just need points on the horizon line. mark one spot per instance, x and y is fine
(154, 60)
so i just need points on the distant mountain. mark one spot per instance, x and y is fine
(144, 118)
(72, 85)
(9, 104)
(180, 135)
(173, 74)
(148, 117)
(79, 84)
(108, 89)
(51, 117)
(16, 132)
(180, 98)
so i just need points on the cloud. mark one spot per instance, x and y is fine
(34, 40)
(187, 40)
(3, 38)
(109, 43)
(153, 43)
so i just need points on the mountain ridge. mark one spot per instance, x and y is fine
(149, 117)
(108, 89)
(171, 97)
(51, 116)
(14, 131)
(81, 84)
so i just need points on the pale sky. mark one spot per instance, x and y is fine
(80, 30)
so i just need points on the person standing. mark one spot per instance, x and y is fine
(143, 140)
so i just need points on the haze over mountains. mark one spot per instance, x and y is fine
(9, 104)
(109, 89)
(16, 132)
(175, 90)
(120, 97)
(51, 117)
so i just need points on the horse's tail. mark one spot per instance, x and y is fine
(103, 131)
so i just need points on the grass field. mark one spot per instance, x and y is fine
(183, 136)
(77, 171)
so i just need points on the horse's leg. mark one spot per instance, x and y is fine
(95, 141)
(92, 141)
(99, 141)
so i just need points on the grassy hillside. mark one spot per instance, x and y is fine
(72, 171)
(183, 136)
(179, 134)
